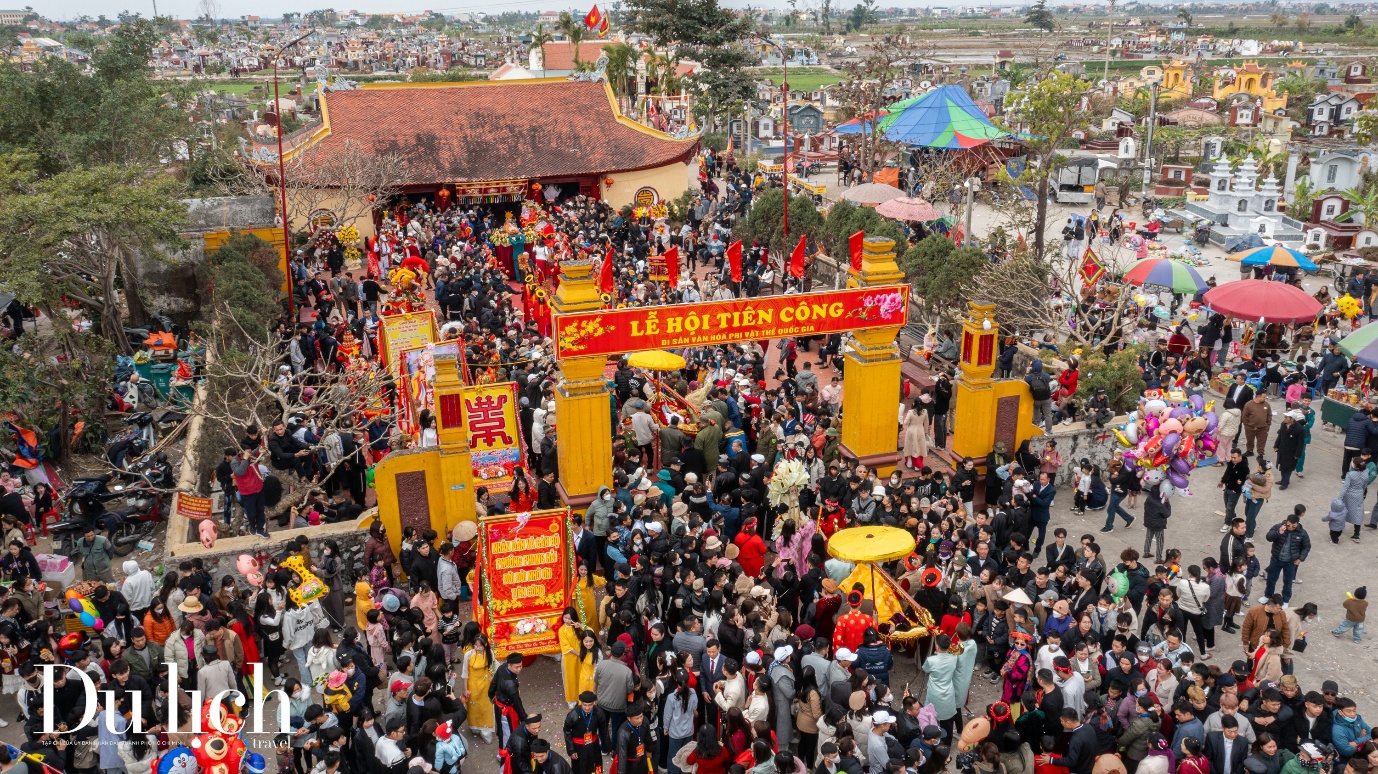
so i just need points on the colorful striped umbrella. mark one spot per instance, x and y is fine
(1165, 274)
(1362, 345)
(1274, 255)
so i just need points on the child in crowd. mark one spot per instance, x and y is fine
(1356, 606)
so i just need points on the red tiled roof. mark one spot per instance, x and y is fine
(560, 55)
(491, 130)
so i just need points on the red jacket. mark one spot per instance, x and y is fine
(1068, 380)
(753, 553)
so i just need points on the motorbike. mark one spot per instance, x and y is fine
(1148, 205)
(85, 505)
(1202, 233)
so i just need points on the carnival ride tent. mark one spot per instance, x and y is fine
(943, 118)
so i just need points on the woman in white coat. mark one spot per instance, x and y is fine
(915, 435)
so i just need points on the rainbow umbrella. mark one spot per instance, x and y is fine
(1274, 255)
(1164, 274)
(1362, 345)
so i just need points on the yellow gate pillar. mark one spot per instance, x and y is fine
(452, 430)
(582, 413)
(870, 398)
(987, 409)
(973, 425)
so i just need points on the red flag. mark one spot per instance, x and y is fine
(796, 259)
(603, 26)
(605, 279)
(594, 19)
(854, 245)
(672, 265)
(734, 259)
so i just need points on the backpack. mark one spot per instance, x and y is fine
(1040, 386)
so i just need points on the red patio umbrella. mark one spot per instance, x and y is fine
(1263, 300)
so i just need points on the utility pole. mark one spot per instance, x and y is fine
(1148, 143)
(1109, 33)
(970, 185)
(282, 170)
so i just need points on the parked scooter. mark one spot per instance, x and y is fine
(85, 504)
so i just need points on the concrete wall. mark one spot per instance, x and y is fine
(1077, 442)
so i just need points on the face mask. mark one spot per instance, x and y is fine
(1143, 659)
(325, 552)
(1141, 692)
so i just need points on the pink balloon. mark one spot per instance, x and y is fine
(1170, 426)
(99, 625)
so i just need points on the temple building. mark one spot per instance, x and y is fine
(492, 142)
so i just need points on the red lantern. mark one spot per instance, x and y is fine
(607, 181)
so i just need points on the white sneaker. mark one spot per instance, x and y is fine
(1301, 475)
(1224, 528)
(3, 722)
(1284, 605)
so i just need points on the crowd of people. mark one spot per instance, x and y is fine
(711, 630)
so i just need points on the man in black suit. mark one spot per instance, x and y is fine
(585, 547)
(1082, 748)
(1225, 748)
(710, 672)
(1239, 393)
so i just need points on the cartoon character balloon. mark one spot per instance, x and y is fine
(311, 588)
(178, 760)
(1169, 436)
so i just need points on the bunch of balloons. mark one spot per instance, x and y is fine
(1169, 436)
(85, 610)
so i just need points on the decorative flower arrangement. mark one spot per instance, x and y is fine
(787, 481)
(347, 234)
(500, 239)
(882, 306)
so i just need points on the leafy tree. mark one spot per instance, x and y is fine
(1353, 24)
(861, 15)
(708, 33)
(573, 29)
(765, 223)
(1184, 15)
(940, 273)
(1362, 204)
(1366, 126)
(76, 236)
(1302, 198)
(1039, 16)
(1303, 21)
(244, 279)
(48, 387)
(538, 40)
(120, 116)
(825, 16)
(621, 67)
(845, 219)
(1048, 110)
(1119, 375)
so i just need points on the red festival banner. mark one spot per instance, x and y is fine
(614, 332)
(495, 436)
(524, 580)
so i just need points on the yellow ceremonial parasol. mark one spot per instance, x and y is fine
(871, 544)
(655, 360)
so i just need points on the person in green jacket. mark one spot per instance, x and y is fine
(709, 439)
(95, 552)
